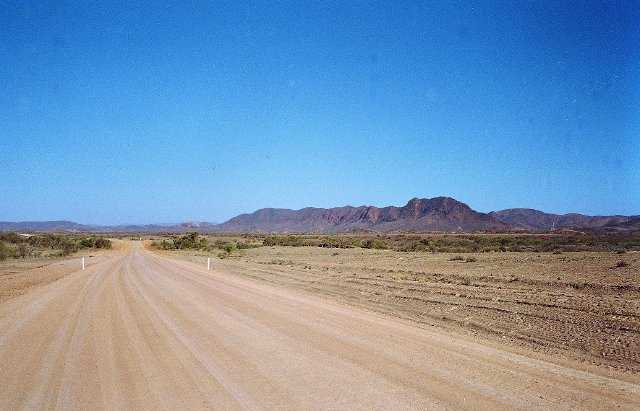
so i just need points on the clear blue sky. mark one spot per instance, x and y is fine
(134, 112)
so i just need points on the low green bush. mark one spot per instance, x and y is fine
(376, 243)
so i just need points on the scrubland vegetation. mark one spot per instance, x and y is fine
(195, 241)
(13, 245)
(226, 244)
(468, 243)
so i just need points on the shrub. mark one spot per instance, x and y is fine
(339, 242)
(247, 245)
(375, 243)
(12, 237)
(290, 240)
(102, 243)
(189, 241)
(86, 243)
(69, 248)
(32, 245)
(165, 245)
(230, 247)
(94, 242)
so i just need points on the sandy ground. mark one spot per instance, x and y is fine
(141, 330)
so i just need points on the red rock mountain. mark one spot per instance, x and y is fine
(436, 214)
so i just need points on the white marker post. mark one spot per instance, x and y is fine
(82, 263)
(208, 263)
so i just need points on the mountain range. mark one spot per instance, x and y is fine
(436, 214)
(439, 214)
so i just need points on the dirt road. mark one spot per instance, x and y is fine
(138, 330)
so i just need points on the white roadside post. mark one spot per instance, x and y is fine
(82, 263)
(208, 263)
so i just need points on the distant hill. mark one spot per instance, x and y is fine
(632, 224)
(436, 214)
(71, 227)
(534, 220)
(41, 226)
